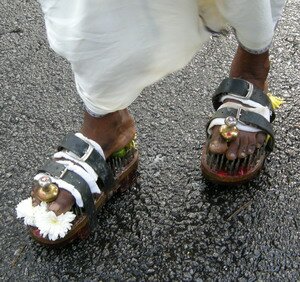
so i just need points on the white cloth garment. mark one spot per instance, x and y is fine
(118, 47)
(254, 21)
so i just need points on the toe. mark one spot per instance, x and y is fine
(35, 200)
(251, 144)
(232, 151)
(217, 144)
(260, 139)
(243, 145)
(63, 202)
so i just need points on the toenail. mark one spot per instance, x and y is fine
(232, 156)
(214, 144)
(54, 207)
(243, 155)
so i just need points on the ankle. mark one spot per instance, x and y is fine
(112, 131)
(251, 67)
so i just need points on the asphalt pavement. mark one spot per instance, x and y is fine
(173, 225)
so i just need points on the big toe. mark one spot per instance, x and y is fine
(217, 144)
(63, 202)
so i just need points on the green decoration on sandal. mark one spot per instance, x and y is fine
(120, 153)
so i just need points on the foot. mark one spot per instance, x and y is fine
(112, 132)
(253, 68)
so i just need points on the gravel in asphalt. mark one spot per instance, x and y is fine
(173, 225)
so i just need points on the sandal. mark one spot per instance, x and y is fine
(79, 167)
(249, 109)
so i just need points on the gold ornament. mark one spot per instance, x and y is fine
(229, 131)
(48, 193)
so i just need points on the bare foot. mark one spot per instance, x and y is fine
(253, 68)
(112, 132)
(244, 145)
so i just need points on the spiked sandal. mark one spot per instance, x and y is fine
(79, 167)
(251, 110)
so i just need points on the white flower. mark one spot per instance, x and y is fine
(46, 221)
(52, 225)
(25, 210)
(42, 207)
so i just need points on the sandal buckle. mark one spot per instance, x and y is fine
(87, 153)
(250, 90)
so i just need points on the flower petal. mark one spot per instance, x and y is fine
(54, 226)
(26, 211)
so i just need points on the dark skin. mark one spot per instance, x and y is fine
(112, 132)
(117, 129)
(255, 69)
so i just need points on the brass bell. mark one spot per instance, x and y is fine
(122, 152)
(229, 131)
(46, 191)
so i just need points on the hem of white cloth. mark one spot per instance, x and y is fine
(91, 113)
(252, 50)
(255, 52)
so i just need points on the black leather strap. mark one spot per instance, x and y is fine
(76, 145)
(248, 118)
(241, 88)
(58, 170)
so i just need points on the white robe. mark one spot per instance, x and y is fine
(118, 47)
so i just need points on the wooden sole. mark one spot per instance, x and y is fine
(217, 177)
(81, 229)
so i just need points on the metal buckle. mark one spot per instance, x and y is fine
(238, 114)
(87, 153)
(250, 90)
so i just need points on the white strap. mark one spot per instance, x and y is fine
(253, 107)
(240, 126)
(74, 158)
(82, 173)
(73, 163)
(91, 142)
(263, 111)
(248, 102)
(240, 99)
